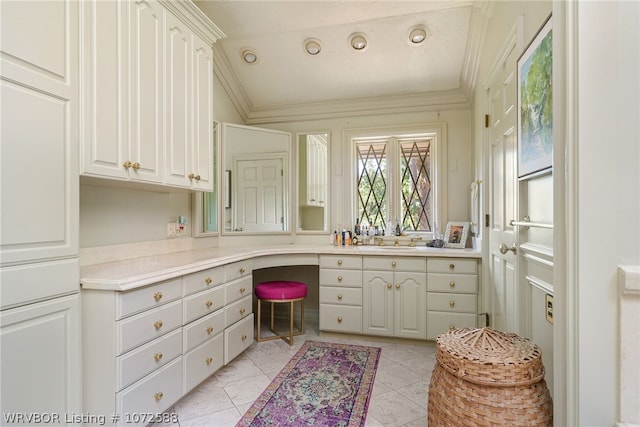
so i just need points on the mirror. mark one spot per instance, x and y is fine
(313, 181)
(255, 193)
(205, 207)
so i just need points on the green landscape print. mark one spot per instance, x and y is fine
(536, 118)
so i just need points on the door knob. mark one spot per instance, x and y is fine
(504, 248)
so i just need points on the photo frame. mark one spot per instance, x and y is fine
(534, 100)
(456, 234)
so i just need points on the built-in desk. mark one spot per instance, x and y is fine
(155, 327)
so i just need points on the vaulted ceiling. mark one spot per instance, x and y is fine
(391, 74)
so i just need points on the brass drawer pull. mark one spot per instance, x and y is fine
(452, 284)
(208, 304)
(389, 285)
(397, 285)
(208, 360)
(393, 264)
(157, 296)
(136, 166)
(339, 296)
(242, 270)
(339, 319)
(158, 395)
(452, 327)
(127, 164)
(242, 310)
(243, 290)
(157, 356)
(339, 262)
(244, 337)
(209, 330)
(158, 324)
(208, 280)
(452, 303)
(339, 278)
(452, 266)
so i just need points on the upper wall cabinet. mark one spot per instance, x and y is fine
(147, 112)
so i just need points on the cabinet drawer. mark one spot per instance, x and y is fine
(340, 262)
(203, 303)
(463, 283)
(151, 395)
(146, 326)
(236, 270)
(238, 338)
(238, 310)
(350, 278)
(203, 361)
(131, 302)
(139, 362)
(439, 323)
(340, 318)
(202, 280)
(459, 303)
(390, 263)
(238, 289)
(452, 265)
(203, 329)
(340, 295)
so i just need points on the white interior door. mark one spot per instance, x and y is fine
(260, 195)
(502, 186)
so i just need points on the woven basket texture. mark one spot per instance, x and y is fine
(485, 377)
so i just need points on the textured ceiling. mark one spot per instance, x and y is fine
(391, 74)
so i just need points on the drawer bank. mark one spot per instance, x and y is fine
(156, 327)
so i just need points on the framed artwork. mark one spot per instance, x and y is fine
(535, 113)
(456, 235)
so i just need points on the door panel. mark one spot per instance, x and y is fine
(260, 187)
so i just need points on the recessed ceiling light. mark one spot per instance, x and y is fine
(418, 34)
(248, 56)
(312, 46)
(358, 41)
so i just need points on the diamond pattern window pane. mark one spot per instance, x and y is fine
(372, 182)
(416, 195)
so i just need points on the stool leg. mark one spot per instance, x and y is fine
(302, 316)
(291, 325)
(272, 328)
(259, 319)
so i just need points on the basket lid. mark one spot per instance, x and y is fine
(490, 357)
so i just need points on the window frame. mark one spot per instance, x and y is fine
(439, 176)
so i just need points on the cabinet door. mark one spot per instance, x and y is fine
(146, 76)
(41, 358)
(39, 133)
(377, 307)
(410, 305)
(178, 105)
(105, 108)
(202, 102)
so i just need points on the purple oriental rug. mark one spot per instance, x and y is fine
(324, 384)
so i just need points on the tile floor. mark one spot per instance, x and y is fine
(399, 396)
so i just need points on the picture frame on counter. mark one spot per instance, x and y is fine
(456, 234)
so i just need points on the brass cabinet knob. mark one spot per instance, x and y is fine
(339, 319)
(208, 360)
(157, 356)
(157, 296)
(208, 280)
(208, 304)
(452, 303)
(339, 262)
(242, 310)
(243, 290)
(158, 324)
(452, 266)
(158, 395)
(197, 177)
(244, 337)
(389, 285)
(339, 278)
(209, 330)
(452, 284)
(339, 296)
(397, 285)
(452, 327)
(393, 264)
(136, 166)
(127, 164)
(242, 270)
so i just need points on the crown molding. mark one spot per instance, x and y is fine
(195, 18)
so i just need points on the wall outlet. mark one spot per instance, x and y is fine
(171, 229)
(181, 229)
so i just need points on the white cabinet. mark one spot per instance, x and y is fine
(341, 293)
(147, 106)
(394, 296)
(39, 103)
(41, 366)
(452, 295)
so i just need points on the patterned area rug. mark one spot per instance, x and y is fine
(324, 384)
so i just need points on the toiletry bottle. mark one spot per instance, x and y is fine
(398, 231)
(356, 228)
(333, 237)
(347, 236)
(344, 235)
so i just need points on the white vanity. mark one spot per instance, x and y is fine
(156, 327)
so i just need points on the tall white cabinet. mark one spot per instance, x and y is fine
(39, 300)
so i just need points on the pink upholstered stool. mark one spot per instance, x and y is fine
(280, 291)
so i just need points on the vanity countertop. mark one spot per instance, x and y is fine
(133, 273)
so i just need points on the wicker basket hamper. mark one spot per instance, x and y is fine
(485, 377)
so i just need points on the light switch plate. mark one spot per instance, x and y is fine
(548, 300)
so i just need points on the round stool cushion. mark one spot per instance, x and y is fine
(281, 290)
